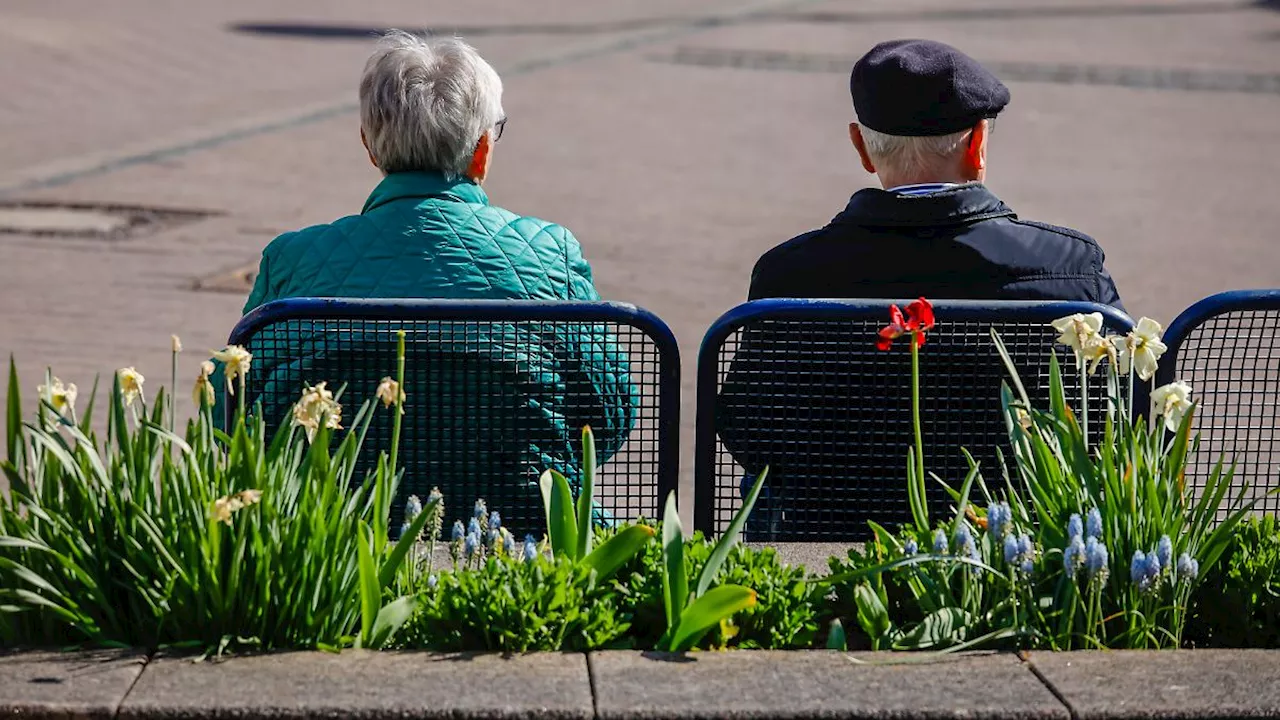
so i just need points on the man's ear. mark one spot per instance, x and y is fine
(975, 154)
(479, 168)
(855, 135)
(365, 141)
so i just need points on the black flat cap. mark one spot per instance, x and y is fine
(922, 87)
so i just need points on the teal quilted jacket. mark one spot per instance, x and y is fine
(422, 236)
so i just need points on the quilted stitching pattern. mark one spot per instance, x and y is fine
(423, 236)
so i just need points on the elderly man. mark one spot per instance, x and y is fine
(490, 406)
(925, 114)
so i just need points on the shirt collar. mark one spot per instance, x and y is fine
(921, 188)
(956, 205)
(422, 185)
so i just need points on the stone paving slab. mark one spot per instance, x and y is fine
(363, 684)
(53, 685)
(759, 684)
(1177, 684)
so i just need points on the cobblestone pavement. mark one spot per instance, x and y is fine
(678, 140)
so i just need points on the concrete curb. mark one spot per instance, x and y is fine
(624, 684)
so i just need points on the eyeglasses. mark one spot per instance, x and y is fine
(498, 127)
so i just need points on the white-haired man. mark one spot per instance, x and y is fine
(494, 403)
(924, 114)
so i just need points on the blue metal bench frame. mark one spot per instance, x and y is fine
(862, 310)
(416, 310)
(1178, 337)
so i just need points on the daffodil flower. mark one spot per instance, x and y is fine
(1079, 330)
(1172, 402)
(130, 384)
(1141, 349)
(315, 407)
(389, 392)
(225, 507)
(61, 397)
(175, 344)
(202, 393)
(235, 360)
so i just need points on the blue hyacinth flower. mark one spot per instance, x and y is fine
(1093, 524)
(471, 545)
(1188, 567)
(530, 548)
(1096, 558)
(999, 516)
(1164, 552)
(939, 541)
(458, 531)
(1073, 555)
(473, 527)
(412, 508)
(910, 548)
(1011, 549)
(495, 521)
(480, 510)
(1075, 528)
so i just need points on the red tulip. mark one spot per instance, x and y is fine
(897, 328)
(919, 319)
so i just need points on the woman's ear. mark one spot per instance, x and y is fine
(479, 168)
(365, 141)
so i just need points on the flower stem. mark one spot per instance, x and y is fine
(173, 398)
(1082, 372)
(395, 431)
(915, 406)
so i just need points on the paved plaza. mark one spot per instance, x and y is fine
(678, 140)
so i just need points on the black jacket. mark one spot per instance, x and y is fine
(960, 243)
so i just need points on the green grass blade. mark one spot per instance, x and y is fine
(707, 611)
(370, 591)
(730, 537)
(406, 542)
(618, 550)
(562, 527)
(587, 495)
(675, 582)
(390, 619)
(13, 414)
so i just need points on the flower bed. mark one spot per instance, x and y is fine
(236, 540)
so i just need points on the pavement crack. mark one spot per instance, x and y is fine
(146, 661)
(1025, 657)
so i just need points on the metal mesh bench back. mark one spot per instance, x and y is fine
(798, 385)
(497, 392)
(1227, 347)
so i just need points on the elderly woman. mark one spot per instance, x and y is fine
(488, 410)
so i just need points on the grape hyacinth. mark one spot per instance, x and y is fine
(436, 524)
(1096, 560)
(939, 541)
(1075, 528)
(999, 518)
(910, 548)
(530, 548)
(1093, 524)
(1164, 551)
(964, 539)
(508, 544)
(471, 546)
(1010, 549)
(473, 527)
(480, 510)
(1144, 570)
(432, 581)
(1073, 556)
(412, 508)
(1188, 568)
(458, 531)
(495, 520)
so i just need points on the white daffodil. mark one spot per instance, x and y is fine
(1141, 348)
(1172, 401)
(61, 397)
(1079, 330)
(202, 393)
(389, 392)
(130, 384)
(235, 360)
(1095, 349)
(225, 507)
(175, 344)
(315, 407)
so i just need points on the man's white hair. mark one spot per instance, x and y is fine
(912, 155)
(426, 102)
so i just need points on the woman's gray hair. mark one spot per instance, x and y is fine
(912, 155)
(426, 102)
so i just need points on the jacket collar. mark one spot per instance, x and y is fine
(421, 185)
(959, 205)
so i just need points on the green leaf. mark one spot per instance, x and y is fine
(729, 538)
(872, 614)
(562, 527)
(586, 496)
(941, 628)
(707, 611)
(390, 619)
(406, 542)
(618, 550)
(370, 591)
(13, 414)
(675, 582)
(836, 639)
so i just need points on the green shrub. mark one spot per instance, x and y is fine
(786, 613)
(514, 605)
(1239, 603)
